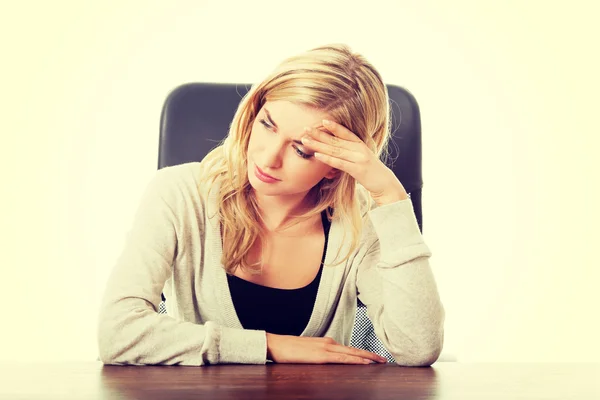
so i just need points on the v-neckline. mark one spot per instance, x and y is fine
(322, 301)
(325, 223)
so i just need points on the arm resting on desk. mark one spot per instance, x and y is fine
(396, 284)
(130, 331)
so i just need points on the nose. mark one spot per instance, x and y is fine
(272, 154)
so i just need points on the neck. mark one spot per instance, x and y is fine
(279, 210)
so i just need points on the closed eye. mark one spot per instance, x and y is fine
(301, 153)
(296, 149)
(262, 121)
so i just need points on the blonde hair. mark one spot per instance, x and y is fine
(331, 79)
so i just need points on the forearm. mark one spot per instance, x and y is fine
(397, 285)
(389, 198)
(130, 331)
(412, 315)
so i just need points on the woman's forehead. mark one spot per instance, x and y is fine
(292, 116)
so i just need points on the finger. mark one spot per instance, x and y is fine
(340, 131)
(353, 351)
(319, 135)
(338, 163)
(336, 358)
(335, 151)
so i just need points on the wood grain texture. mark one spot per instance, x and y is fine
(288, 381)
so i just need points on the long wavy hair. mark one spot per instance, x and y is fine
(331, 79)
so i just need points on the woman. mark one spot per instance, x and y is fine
(263, 248)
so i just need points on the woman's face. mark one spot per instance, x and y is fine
(275, 148)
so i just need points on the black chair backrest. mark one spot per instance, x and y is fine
(197, 116)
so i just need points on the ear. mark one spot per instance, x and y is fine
(333, 173)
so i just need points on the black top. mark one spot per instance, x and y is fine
(278, 311)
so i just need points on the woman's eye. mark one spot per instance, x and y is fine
(301, 153)
(262, 121)
(297, 150)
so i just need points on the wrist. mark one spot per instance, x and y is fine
(391, 198)
(269, 345)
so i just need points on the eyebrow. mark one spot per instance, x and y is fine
(276, 127)
(271, 119)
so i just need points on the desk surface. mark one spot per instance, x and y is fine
(286, 381)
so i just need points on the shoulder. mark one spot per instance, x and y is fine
(180, 173)
(177, 184)
(175, 177)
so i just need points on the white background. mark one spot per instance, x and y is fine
(509, 104)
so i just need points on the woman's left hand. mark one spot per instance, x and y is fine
(340, 148)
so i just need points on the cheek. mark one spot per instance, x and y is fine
(309, 173)
(251, 141)
(256, 138)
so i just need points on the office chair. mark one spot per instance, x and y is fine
(196, 117)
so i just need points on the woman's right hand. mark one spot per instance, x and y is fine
(315, 350)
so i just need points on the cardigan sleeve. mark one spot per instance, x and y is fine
(396, 283)
(129, 329)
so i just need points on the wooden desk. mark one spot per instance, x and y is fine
(284, 381)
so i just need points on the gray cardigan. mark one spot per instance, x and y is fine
(174, 247)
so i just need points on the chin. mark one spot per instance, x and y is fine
(264, 188)
(260, 186)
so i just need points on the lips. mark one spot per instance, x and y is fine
(260, 171)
